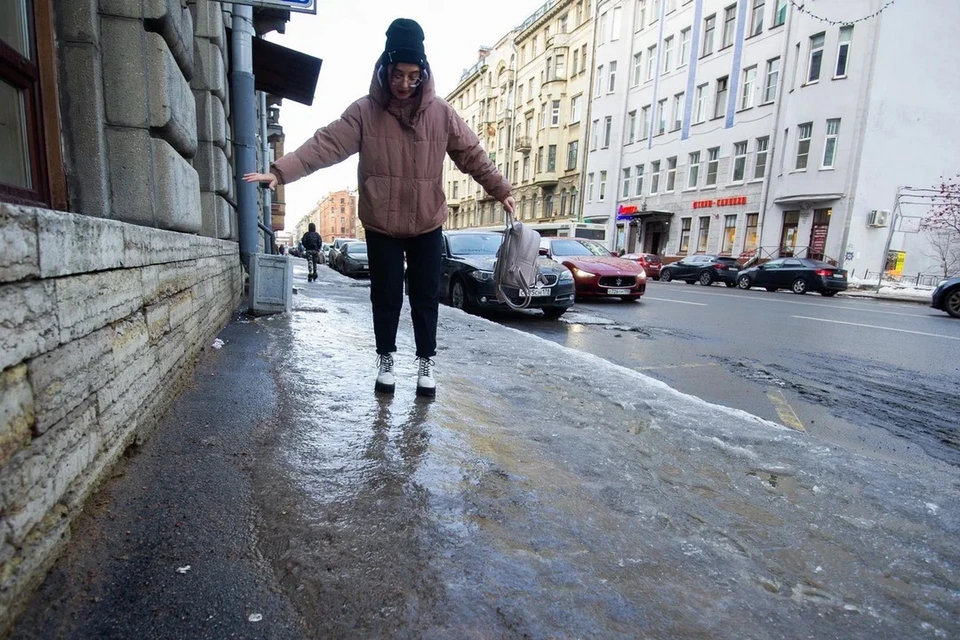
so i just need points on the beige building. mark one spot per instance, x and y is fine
(335, 217)
(526, 98)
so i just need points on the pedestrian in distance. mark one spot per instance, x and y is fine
(312, 243)
(403, 133)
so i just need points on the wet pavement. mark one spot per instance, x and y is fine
(545, 493)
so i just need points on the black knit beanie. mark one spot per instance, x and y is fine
(404, 43)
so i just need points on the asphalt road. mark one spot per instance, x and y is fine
(881, 377)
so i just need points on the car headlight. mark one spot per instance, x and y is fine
(566, 276)
(580, 273)
(481, 276)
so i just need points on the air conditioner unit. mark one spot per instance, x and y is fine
(878, 218)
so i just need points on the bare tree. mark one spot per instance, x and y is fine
(942, 226)
(945, 249)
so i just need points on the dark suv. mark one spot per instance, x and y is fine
(705, 269)
(946, 296)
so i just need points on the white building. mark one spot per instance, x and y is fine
(735, 127)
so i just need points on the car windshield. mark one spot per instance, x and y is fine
(474, 244)
(577, 248)
(355, 247)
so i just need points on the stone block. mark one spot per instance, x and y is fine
(209, 205)
(77, 21)
(181, 309)
(227, 226)
(125, 72)
(84, 141)
(173, 112)
(20, 258)
(175, 277)
(28, 321)
(63, 378)
(164, 17)
(158, 321)
(213, 168)
(170, 351)
(71, 243)
(120, 398)
(211, 119)
(131, 186)
(145, 246)
(209, 74)
(177, 205)
(88, 302)
(208, 20)
(16, 411)
(131, 337)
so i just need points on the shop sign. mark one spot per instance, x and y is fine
(720, 202)
(627, 211)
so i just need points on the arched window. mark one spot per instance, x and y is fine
(574, 202)
(563, 202)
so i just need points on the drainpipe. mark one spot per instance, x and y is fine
(267, 194)
(244, 129)
(581, 196)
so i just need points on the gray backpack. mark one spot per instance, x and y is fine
(516, 265)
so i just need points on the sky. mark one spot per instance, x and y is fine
(349, 35)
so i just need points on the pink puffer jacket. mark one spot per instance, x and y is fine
(401, 159)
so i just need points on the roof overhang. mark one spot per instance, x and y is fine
(285, 72)
(812, 198)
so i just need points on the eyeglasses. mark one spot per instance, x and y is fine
(399, 78)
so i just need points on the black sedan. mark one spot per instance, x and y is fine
(352, 260)
(797, 274)
(705, 269)
(946, 296)
(466, 276)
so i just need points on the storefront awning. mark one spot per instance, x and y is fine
(285, 72)
(812, 198)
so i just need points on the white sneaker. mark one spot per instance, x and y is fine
(426, 385)
(385, 380)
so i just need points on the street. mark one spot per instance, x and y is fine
(879, 377)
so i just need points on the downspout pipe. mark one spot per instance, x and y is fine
(586, 129)
(244, 129)
(265, 168)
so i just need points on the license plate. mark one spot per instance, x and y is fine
(618, 292)
(838, 275)
(536, 293)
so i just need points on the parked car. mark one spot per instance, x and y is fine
(466, 276)
(946, 296)
(797, 274)
(353, 259)
(705, 269)
(649, 261)
(596, 272)
(335, 249)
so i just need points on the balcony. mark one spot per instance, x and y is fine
(524, 144)
(453, 202)
(503, 115)
(546, 179)
(558, 40)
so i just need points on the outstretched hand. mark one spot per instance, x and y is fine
(509, 204)
(269, 178)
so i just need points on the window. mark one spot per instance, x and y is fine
(671, 6)
(548, 205)
(551, 158)
(804, 132)
(631, 126)
(589, 187)
(575, 109)
(561, 68)
(516, 169)
(603, 27)
(677, 112)
(739, 161)
(651, 61)
(749, 83)
(729, 26)
(661, 116)
(756, 17)
(539, 167)
(760, 162)
(594, 134)
(543, 115)
(684, 47)
(572, 155)
(671, 173)
(720, 106)
(704, 234)
(526, 168)
(520, 93)
(625, 184)
(709, 26)
(637, 68)
(638, 171)
(607, 130)
(641, 14)
(693, 170)
(684, 235)
(555, 114)
(583, 59)
(612, 79)
(562, 23)
(598, 83)
(701, 104)
(750, 235)
(816, 58)
(843, 52)
(602, 189)
(713, 164)
(830, 144)
(615, 24)
(729, 233)
(645, 122)
(770, 85)
(654, 177)
(456, 192)
(655, 11)
(780, 15)
(576, 62)
(667, 54)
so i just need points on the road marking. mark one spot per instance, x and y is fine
(678, 366)
(787, 415)
(873, 326)
(699, 304)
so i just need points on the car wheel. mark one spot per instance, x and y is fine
(458, 296)
(705, 279)
(730, 285)
(554, 312)
(666, 276)
(799, 286)
(743, 282)
(770, 289)
(629, 298)
(951, 304)
(828, 294)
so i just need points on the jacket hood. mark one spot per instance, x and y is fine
(401, 109)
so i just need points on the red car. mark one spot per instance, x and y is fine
(596, 272)
(649, 261)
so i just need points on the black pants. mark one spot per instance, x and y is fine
(423, 288)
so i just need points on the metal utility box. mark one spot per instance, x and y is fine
(271, 284)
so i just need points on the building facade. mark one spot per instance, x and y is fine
(526, 98)
(743, 128)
